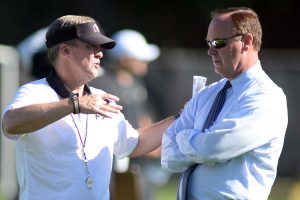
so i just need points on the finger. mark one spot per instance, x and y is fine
(110, 106)
(111, 97)
(108, 110)
(115, 108)
(106, 114)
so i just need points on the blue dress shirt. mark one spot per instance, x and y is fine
(239, 153)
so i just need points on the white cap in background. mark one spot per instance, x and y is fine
(133, 44)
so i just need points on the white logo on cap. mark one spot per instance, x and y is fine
(96, 29)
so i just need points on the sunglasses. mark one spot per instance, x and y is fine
(220, 43)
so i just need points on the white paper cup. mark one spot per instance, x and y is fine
(198, 83)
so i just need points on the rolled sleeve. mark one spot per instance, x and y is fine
(172, 159)
(127, 138)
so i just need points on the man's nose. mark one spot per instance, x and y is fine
(99, 54)
(212, 51)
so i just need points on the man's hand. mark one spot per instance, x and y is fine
(101, 104)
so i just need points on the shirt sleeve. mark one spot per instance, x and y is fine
(249, 122)
(127, 138)
(172, 159)
(31, 93)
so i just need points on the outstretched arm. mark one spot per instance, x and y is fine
(150, 137)
(36, 116)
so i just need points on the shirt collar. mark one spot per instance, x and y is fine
(246, 76)
(58, 86)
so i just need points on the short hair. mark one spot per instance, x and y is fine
(245, 20)
(63, 23)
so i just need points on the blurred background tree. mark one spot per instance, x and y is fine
(166, 23)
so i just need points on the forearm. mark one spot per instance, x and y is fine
(150, 137)
(171, 158)
(34, 117)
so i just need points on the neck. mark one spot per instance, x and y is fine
(71, 84)
(79, 90)
(62, 89)
(250, 58)
(248, 61)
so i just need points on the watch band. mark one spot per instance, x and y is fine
(178, 114)
(75, 101)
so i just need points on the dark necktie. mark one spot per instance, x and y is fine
(211, 117)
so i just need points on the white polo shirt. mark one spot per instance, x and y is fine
(49, 161)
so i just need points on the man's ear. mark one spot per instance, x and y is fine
(247, 40)
(64, 49)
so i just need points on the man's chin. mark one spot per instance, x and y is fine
(100, 72)
(218, 71)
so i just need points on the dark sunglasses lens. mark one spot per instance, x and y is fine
(219, 43)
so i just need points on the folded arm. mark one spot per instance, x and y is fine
(246, 126)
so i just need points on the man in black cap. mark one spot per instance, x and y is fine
(66, 132)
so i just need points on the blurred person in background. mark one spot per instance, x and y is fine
(66, 132)
(33, 55)
(124, 76)
(129, 62)
(230, 152)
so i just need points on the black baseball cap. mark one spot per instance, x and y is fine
(88, 32)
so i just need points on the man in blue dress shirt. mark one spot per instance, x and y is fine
(238, 154)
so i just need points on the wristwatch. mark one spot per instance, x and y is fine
(75, 101)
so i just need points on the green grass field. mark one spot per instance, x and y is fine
(283, 189)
